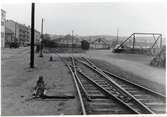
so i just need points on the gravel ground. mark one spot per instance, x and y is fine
(18, 80)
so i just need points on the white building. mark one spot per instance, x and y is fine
(22, 33)
(3, 20)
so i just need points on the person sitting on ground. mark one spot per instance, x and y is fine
(39, 89)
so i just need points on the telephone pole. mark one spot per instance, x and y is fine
(72, 40)
(41, 44)
(32, 35)
(117, 35)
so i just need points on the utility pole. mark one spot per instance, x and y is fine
(15, 34)
(72, 40)
(41, 44)
(32, 35)
(117, 35)
(161, 41)
(133, 41)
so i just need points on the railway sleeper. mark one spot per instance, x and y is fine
(105, 113)
(157, 107)
(159, 111)
(102, 105)
(94, 91)
(140, 96)
(156, 104)
(129, 88)
(99, 97)
(108, 111)
(90, 87)
(107, 101)
(149, 101)
(121, 96)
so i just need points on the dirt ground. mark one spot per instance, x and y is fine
(17, 81)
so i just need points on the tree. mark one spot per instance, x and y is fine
(85, 44)
(68, 37)
(46, 36)
(47, 42)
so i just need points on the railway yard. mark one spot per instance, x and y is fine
(91, 83)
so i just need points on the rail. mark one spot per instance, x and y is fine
(143, 107)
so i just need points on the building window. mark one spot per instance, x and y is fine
(2, 23)
(2, 14)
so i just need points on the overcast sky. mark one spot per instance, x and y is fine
(92, 18)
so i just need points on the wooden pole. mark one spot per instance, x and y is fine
(117, 35)
(133, 41)
(161, 41)
(41, 46)
(32, 35)
(72, 40)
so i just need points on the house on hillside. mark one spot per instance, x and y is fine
(100, 43)
(68, 41)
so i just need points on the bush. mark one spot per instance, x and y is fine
(48, 43)
(84, 44)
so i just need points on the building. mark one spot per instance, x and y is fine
(9, 37)
(3, 19)
(68, 41)
(100, 43)
(36, 34)
(22, 33)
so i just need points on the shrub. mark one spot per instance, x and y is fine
(48, 43)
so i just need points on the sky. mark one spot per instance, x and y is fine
(92, 18)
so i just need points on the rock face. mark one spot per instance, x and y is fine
(160, 59)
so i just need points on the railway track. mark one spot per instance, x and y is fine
(101, 92)
(93, 98)
(150, 99)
